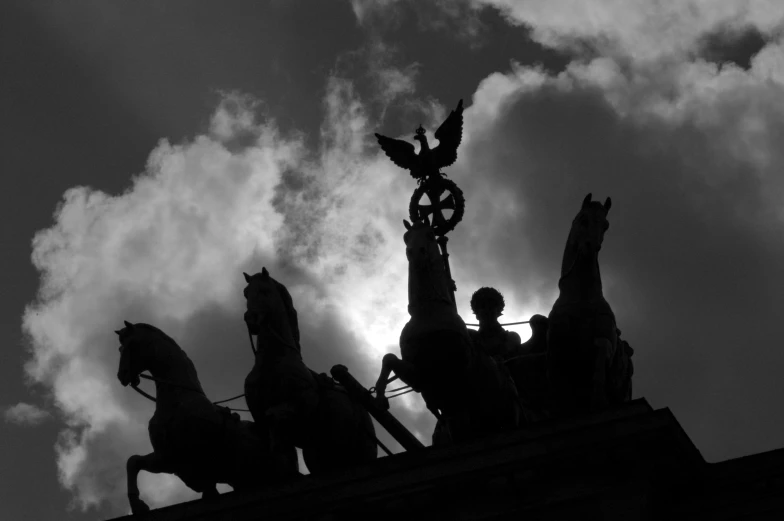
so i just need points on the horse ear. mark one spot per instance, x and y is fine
(607, 204)
(426, 220)
(118, 331)
(247, 277)
(128, 324)
(407, 224)
(587, 200)
(264, 273)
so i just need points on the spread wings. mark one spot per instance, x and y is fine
(401, 153)
(449, 135)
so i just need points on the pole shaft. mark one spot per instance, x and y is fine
(445, 254)
(383, 417)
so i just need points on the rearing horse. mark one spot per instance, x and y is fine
(464, 388)
(582, 336)
(300, 407)
(201, 443)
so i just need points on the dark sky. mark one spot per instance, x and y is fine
(556, 108)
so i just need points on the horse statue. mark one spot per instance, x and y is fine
(300, 407)
(201, 443)
(586, 370)
(469, 392)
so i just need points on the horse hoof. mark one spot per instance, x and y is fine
(137, 505)
(382, 402)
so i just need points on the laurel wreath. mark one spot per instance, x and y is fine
(449, 186)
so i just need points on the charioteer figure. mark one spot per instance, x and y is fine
(488, 305)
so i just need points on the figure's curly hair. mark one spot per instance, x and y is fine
(487, 297)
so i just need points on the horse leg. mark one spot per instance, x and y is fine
(604, 352)
(282, 452)
(403, 370)
(153, 463)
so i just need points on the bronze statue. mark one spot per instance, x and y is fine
(201, 443)
(488, 304)
(582, 338)
(528, 366)
(299, 407)
(621, 370)
(524, 362)
(429, 161)
(464, 388)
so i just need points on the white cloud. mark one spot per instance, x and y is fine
(173, 247)
(363, 9)
(645, 62)
(643, 30)
(26, 414)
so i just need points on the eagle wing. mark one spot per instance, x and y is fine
(449, 135)
(401, 153)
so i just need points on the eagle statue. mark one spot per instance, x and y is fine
(429, 161)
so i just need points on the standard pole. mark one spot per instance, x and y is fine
(383, 417)
(442, 240)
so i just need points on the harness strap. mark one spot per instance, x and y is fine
(507, 324)
(165, 382)
(149, 397)
(158, 380)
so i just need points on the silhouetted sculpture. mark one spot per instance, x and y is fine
(201, 443)
(582, 339)
(528, 367)
(466, 389)
(299, 407)
(488, 304)
(537, 344)
(429, 161)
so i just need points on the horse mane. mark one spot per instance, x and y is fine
(288, 302)
(158, 331)
(569, 252)
(190, 368)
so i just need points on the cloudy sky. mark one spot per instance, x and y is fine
(155, 152)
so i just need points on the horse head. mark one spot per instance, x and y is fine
(421, 245)
(270, 307)
(427, 277)
(134, 358)
(422, 249)
(587, 233)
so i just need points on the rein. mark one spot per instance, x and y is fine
(507, 324)
(172, 384)
(277, 336)
(188, 388)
